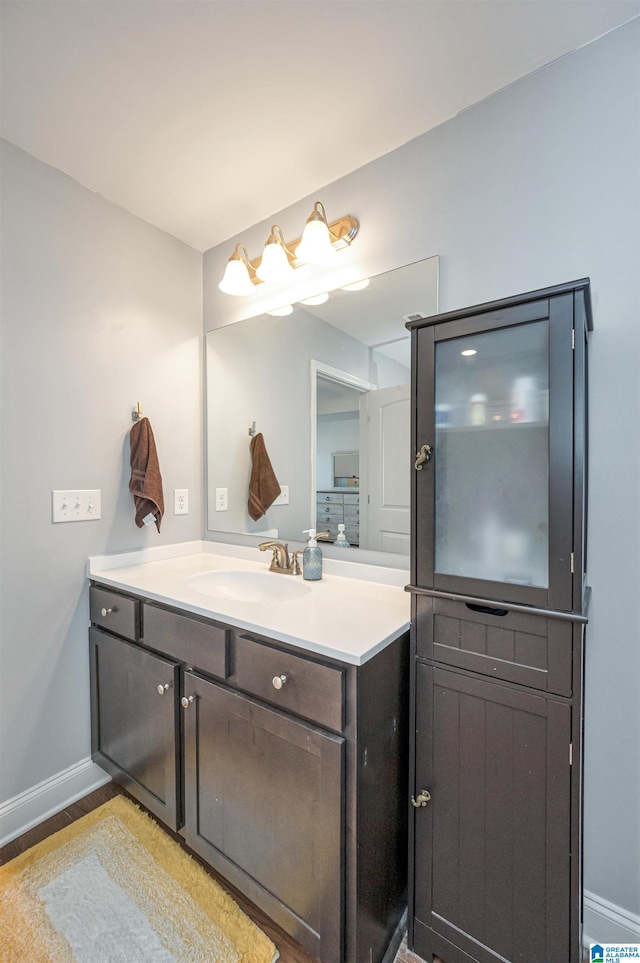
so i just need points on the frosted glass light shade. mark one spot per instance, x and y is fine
(275, 265)
(236, 278)
(316, 299)
(315, 246)
(356, 286)
(282, 312)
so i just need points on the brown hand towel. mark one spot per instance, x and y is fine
(263, 484)
(146, 482)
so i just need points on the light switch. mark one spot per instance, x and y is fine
(75, 505)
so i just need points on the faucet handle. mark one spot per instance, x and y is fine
(295, 564)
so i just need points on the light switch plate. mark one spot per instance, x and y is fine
(180, 501)
(75, 505)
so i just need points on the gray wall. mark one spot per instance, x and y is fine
(99, 311)
(536, 186)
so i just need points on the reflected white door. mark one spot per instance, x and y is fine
(389, 446)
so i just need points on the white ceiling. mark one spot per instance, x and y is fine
(205, 117)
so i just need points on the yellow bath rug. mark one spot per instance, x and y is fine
(114, 888)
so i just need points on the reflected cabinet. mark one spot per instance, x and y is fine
(499, 610)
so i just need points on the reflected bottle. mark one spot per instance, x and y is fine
(341, 540)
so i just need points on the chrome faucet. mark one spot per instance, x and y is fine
(281, 561)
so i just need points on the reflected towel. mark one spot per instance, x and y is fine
(264, 487)
(146, 481)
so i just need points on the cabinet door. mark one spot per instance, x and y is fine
(134, 732)
(264, 803)
(494, 400)
(492, 847)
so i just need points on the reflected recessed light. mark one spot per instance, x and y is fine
(356, 286)
(316, 299)
(468, 352)
(281, 312)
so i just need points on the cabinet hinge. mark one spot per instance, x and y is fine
(570, 753)
(573, 339)
(573, 564)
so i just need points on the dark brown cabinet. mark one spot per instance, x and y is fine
(285, 772)
(135, 722)
(264, 806)
(499, 609)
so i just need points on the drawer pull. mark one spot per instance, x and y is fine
(422, 800)
(105, 612)
(185, 701)
(278, 681)
(486, 609)
(163, 688)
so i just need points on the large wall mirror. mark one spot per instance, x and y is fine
(328, 388)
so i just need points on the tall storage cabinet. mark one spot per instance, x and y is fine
(499, 609)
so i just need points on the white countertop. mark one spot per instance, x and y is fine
(352, 613)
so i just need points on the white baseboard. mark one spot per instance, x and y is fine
(604, 922)
(32, 807)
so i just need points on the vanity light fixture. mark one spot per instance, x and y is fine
(468, 352)
(319, 242)
(281, 312)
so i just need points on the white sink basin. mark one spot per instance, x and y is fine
(249, 586)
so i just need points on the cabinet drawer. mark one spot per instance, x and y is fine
(351, 499)
(351, 514)
(117, 613)
(527, 649)
(330, 516)
(200, 645)
(335, 497)
(310, 689)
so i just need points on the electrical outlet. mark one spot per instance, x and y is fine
(283, 497)
(76, 505)
(222, 499)
(180, 501)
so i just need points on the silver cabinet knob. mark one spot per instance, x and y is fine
(186, 701)
(278, 681)
(105, 612)
(163, 688)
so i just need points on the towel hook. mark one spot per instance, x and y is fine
(136, 413)
(252, 429)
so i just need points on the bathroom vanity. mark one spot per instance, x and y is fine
(271, 734)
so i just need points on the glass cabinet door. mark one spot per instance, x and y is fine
(491, 458)
(495, 491)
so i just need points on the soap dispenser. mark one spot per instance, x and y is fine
(312, 556)
(341, 540)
